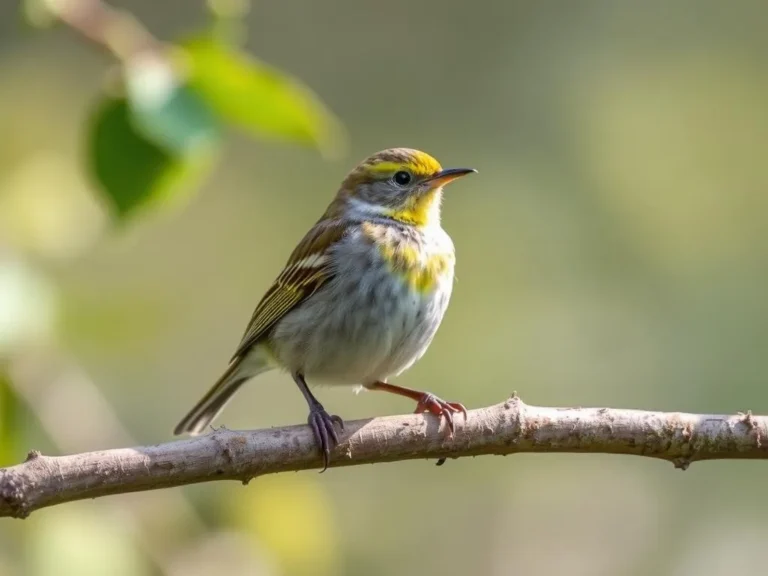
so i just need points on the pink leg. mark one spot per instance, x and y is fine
(425, 402)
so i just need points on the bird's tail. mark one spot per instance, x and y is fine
(241, 369)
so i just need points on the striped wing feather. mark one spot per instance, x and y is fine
(307, 269)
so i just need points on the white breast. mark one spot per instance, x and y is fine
(366, 324)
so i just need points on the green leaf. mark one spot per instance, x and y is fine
(170, 113)
(38, 13)
(258, 98)
(133, 169)
(9, 424)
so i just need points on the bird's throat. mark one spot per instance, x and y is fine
(407, 258)
(420, 210)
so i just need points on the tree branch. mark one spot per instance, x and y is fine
(508, 428)
(114, 30)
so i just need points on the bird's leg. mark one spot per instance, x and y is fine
(320, 421)
(425, 402)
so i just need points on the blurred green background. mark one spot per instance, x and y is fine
(612, 251)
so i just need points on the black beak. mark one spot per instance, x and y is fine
(449, 175)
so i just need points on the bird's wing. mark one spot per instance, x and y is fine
(308, 268)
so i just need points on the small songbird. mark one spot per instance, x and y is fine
(360, 298)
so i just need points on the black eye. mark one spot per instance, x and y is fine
(402, 178)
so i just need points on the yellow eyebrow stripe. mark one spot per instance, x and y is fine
(383, 167)
(419, 166)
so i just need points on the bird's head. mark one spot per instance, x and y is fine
(400, 183)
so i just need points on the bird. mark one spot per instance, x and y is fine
(360, 298)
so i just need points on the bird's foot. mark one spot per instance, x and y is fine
(440, 408)
(323, 428)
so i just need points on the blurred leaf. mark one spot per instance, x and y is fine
(258, 98)
(47, 207)
(228, 9)
(38, 13)
(228, 24)
(133, 170)
(28, 307)
(292, 516)
(167, 111)
(9, 405)
(82, 540)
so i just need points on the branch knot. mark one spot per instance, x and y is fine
(12, 494)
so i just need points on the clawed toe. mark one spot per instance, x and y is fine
(323, 429)
(434, 405)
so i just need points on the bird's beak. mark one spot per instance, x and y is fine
(449, 175)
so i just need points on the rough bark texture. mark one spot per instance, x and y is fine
(508, 428)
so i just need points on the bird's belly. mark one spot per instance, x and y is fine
(353, 332)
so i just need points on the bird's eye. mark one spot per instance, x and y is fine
(402, 178)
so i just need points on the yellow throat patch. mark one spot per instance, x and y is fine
(419, 211)
(419, 272)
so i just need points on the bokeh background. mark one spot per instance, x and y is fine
(612, 251)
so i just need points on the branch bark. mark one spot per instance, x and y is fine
(508, 428)
(114, 30)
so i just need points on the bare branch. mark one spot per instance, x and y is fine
(114, 30)
(508, 428)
